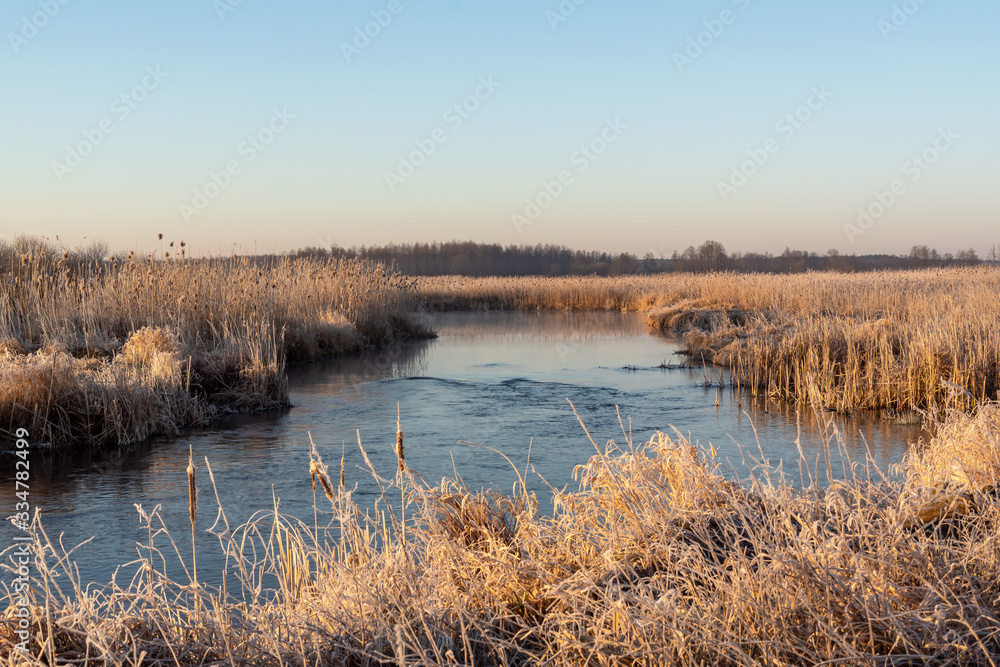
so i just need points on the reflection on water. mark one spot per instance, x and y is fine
(496, 379)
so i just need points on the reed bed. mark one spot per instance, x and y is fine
(663, 556)
(891, 341)
(819, 293)
(871, 341)
(113, 351)
(627, 293)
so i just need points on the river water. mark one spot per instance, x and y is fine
(490, 378)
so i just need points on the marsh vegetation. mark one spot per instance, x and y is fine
(663, 554)
(846, 342)
(112, 351)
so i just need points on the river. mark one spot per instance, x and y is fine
(491, 378)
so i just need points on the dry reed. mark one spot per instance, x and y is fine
(537, 293)
(662, 557)
(876, 341)
(115, 351)
(888, 341)
(192, 511)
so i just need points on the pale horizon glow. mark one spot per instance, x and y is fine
(229, 125)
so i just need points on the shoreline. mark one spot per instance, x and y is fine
(113, 352)
(841, 342)
(660, 556)
(657, 558)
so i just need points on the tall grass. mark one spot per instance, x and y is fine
(538, 293)
(95, 351)
(895, 341)
(879, 341)
(662, 557)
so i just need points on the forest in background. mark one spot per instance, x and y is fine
(467, 258)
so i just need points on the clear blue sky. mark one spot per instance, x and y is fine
(199, 80)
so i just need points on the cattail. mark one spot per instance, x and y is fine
(193, 507)
(159, 237)
(326, 486)
(342, 453)
(400, 450)
(192, 488)
(318, 470)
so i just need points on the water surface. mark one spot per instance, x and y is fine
(495, 379)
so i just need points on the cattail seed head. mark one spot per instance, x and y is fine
(192, 488)
(400, 450)
(326, 487)
(342, 471)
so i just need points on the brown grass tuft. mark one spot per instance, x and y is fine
(872, 341)
(661, 557)
(170, 343)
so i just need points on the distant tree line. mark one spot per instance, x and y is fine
(485, 259)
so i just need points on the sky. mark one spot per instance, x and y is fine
(866, 126)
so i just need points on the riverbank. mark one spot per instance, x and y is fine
(113, 352)
(661, 557)
(116, 351)
(629, 293)
(891, 341)
(844, 342)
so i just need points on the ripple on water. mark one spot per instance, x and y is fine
(495, 379)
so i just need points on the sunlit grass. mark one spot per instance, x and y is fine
(889, 341)
(114, 351)
(663, 556)
(840, 341)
